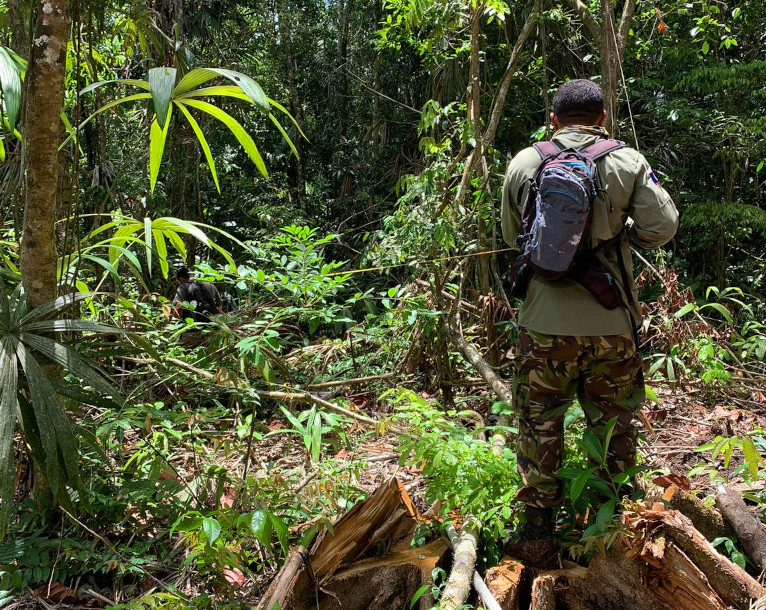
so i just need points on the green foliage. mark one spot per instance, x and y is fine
(166, 93)
(751, 447)
(312, 426)
(592, 492)
(462, 470)
(30, 391)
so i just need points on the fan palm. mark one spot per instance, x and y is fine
(166, 94)
(30, 395)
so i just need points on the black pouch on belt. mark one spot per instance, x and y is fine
(591, 274)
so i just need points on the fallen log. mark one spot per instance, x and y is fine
(656, 527)
(747, 525)
(707, 520)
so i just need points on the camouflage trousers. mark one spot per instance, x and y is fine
(605, 375)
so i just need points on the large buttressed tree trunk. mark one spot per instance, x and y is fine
(44, 100)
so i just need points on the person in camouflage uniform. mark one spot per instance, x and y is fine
(569, 345)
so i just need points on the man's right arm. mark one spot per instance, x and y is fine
(520, 170)
(654, 215)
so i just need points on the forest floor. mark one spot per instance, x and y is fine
(355, 461)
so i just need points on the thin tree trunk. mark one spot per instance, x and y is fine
(44, 100)
(19, 37)
(295, 106)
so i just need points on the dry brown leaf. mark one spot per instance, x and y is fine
(666, 480)
(58, 592)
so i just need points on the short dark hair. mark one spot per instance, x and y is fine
(578, 101)
(183, 273)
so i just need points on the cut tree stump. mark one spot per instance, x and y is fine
(506, 581)
(747, 525)
(543, 593)
(365, 564)
(707, 520)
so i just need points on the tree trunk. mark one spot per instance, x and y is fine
(44, 101)
(295, 106)
(17, 21)
(609, 65)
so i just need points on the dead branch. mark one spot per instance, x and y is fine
(311, 398)
(345, 382)
(478, 582)
(463, 567)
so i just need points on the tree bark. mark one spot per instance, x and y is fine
(707, 520)
(748, 527)
(44, 102)
(296, 107)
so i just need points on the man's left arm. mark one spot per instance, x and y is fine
(654, 215)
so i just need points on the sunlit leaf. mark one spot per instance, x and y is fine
(162, 81)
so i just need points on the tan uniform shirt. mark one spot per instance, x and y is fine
(631, 197)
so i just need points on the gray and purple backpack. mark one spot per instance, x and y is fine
(556, 218)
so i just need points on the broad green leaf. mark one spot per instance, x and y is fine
(592, 447)
(283, 110)
(148, 235)
(248, 86)
(239, 132)
(177, 243)
(579, 483)
(68, 357)
(685, 309)
(720, 309)
(45, 403)
(55, 306)
(162, 81)
(157, 139)
(212, 529)
(752, 457)
(162, 251)
(202, 142)
(141, 84)
(10, 387)
(280, 527)
(261, 526)
(10, 81)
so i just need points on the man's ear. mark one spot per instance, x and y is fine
(555, 121)
(601, 118)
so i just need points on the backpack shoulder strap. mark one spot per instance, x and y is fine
(602, 148)
(546, 149)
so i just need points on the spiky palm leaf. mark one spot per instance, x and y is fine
(166, 93)
(30, 397)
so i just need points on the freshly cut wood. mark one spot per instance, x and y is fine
(346, 570)
(656, 527)
(282, 586)
(707, 520)
(387, 518)
(381, 583)
(543, 593)
(505, 582)
(747, 525)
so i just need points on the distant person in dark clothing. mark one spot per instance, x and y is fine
(197, 300)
